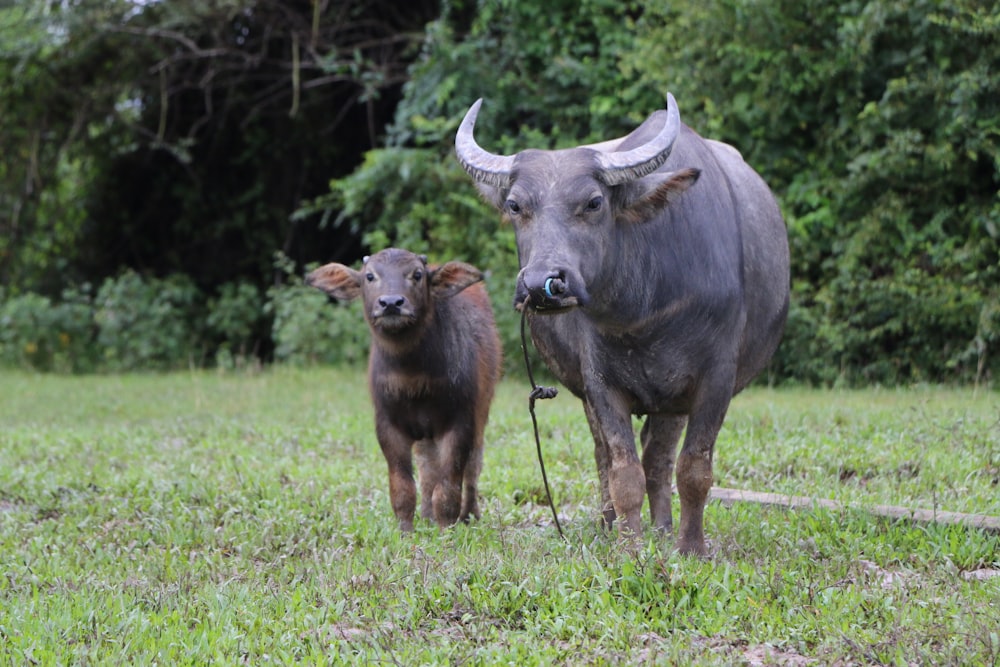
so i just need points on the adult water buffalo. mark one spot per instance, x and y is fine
(655, 271)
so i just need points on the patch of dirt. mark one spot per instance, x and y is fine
(885, 578)
(762, 654)
(729, 651)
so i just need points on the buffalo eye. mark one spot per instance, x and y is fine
(513, 207)
(370, 277)
(417, 275)
(595, 203)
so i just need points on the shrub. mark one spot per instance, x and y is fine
(148, 324)
(234, 323)
(308, 329)
(40, 334)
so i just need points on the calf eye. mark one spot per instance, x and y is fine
(513, 207)
(595, 203)
(417, 275)
(370, 277)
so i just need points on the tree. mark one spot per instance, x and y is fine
(548, 74)
(877, 126)
(178, 136)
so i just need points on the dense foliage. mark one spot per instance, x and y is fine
(176, 137)
(876, 123)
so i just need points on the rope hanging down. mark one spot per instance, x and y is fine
(538, 392)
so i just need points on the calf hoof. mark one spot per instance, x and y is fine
(468, 518)
(630, 526)
(665, 528)
(447, 504)
(695, 548)
(608, 517)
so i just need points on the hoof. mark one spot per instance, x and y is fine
(694, 548)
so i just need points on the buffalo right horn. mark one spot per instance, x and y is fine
(618, 168)
(483, 166)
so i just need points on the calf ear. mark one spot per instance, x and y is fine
(451, 278)
(645, 197)
(339, 281)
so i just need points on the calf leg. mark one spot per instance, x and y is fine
(659, 438)
(396, 447)
(427, 469)
(470, 485)
(626, 480)
(454, 451)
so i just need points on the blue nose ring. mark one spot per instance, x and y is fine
(548, 288)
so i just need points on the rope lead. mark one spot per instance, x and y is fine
(538, 392)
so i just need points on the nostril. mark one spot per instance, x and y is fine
(554, 286)
(391, 301)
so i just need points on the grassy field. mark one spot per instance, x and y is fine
(198, 518)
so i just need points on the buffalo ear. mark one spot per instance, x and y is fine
(452, 277)
(492, 195)
(647, 196)
(339, 281)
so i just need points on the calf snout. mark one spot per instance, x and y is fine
(549, 290)
(391, 304)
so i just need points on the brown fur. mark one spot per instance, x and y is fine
(434, 362)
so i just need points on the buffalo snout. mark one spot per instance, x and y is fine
(550, 290)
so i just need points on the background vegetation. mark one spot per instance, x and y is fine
(175, 165)
(242, 517)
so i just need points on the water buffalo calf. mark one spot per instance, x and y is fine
(433, 366)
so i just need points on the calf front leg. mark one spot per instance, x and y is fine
(397, 449)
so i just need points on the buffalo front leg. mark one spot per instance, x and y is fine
(396, 447)
(626, 480)
(694, 468)
(659, 439)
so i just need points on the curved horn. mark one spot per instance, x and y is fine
(618, 168)
(483, 166)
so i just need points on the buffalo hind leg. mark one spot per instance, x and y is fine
(603, 459)
(659, 437)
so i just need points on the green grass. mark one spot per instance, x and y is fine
(199, 518)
